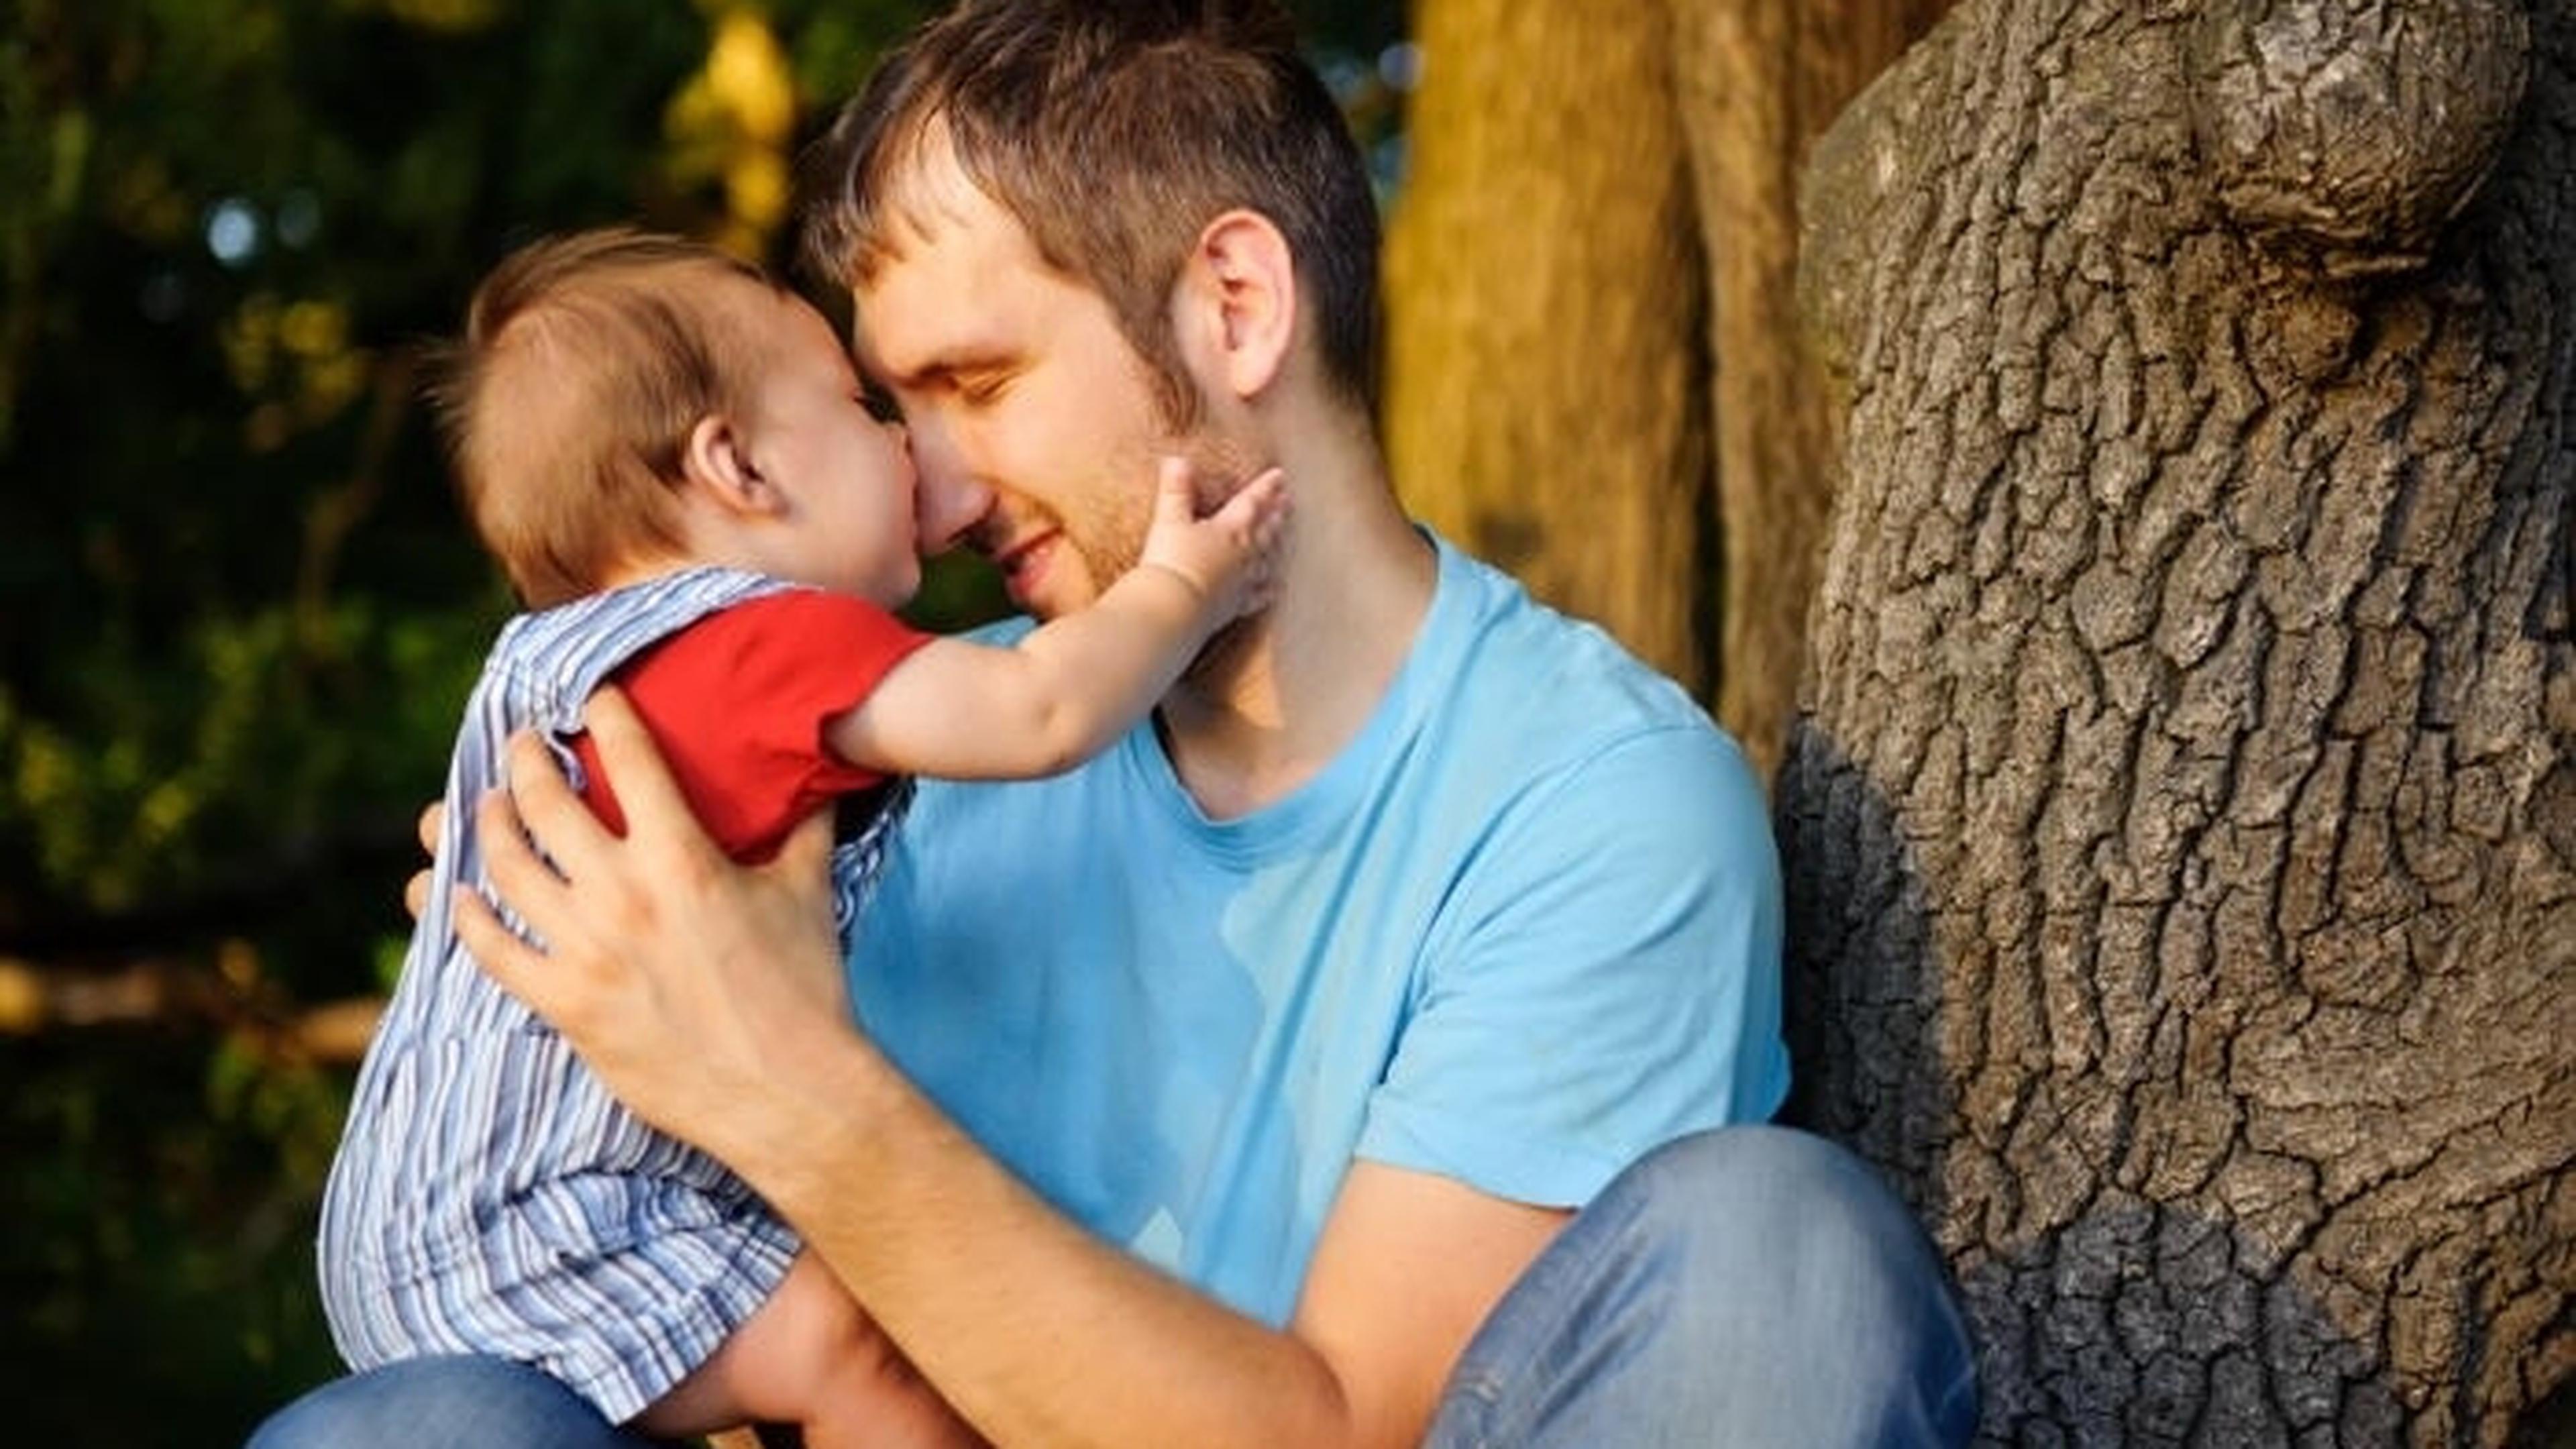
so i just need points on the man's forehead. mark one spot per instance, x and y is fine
(944, 279)
(900, 333)
(925, 201)
(927, 181)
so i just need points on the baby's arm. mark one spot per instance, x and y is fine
(812, 1357)
(1069, 687)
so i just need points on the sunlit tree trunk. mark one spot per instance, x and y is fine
(1758, 81)
(1547, 304)
(2182, 819)
(1595, 372)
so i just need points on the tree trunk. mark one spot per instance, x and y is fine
(1580, 191)
(1545, 308)
(1758, 80)
(2181, 822)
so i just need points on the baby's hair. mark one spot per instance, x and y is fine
(567, 403)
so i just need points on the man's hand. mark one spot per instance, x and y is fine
(709, 997)
(678, 975)
(416, 890)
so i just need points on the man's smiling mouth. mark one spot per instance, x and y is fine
(1022, 561)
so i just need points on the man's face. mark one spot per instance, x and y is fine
(1013, 379)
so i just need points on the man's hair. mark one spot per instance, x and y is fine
(568, 401)
(1114, 131)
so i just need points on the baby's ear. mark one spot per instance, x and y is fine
(717, 460)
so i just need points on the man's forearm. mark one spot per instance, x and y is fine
(708, 995)
(1036, 1331)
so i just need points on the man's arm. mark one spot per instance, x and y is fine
(709, 997)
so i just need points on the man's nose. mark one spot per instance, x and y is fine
(948, 500)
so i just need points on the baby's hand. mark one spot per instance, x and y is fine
(1231, 556)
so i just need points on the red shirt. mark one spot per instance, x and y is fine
(737, 701)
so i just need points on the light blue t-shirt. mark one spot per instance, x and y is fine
(1523, 929)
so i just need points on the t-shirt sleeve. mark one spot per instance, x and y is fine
(1608, 979)
(738, 702)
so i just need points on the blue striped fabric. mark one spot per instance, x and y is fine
(489, 1196)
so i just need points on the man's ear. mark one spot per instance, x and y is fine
(1239, 294)
(717, 461)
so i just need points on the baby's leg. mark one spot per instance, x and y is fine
(811, 1357)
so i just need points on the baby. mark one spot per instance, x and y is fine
(674, 461)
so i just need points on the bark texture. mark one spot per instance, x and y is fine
(2181, 822)
(1545, 307)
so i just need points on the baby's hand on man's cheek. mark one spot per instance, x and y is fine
(1229, 555)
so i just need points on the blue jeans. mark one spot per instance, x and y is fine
(1747, 1287)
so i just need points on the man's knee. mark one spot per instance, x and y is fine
(1796, 1251)
(1772, 1203)
(1760, 1185)
(1748, 1286)
(441, 1403)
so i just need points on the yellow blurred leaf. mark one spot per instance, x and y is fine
(756, 188)
(448, 15)
(22, 998)
(313, 328)
(747, 70)
(250, 342)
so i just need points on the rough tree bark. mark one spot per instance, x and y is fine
(2182, 819)
(1598, 209)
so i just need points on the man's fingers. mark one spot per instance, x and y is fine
(433, 816)
(1257, 507)
(545, 806)
(655, 808)
(520, 877)
(507, 958)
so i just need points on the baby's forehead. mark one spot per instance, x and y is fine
(748, 319)
(717, 300)
(556, 354)
(693, 292)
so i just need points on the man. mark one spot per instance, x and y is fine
(1269, 1079)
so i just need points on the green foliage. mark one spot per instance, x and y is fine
(160, 1281)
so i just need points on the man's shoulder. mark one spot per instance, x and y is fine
(1555, 685)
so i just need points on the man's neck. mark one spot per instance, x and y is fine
(1270, 704)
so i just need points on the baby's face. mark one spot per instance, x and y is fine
(848, 476)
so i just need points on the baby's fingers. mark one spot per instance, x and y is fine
(1176, 497)
(1258, 506)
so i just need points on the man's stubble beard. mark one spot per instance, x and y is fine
(1219, 468)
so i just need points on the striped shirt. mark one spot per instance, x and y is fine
(489, 1195)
